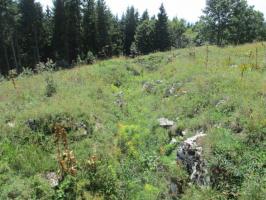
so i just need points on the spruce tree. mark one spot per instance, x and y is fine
(116, 36)
(102, 25)
(73, 29)
(145, 16)
(30, 28)
(89, 27)
(47, 50)
(59, 32)
(162, 35)
(8, 53)
(145, 36)
(131, 22)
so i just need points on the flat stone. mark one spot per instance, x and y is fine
(165, 122)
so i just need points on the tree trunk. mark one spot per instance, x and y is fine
(37, 52)
(18, 55)
(14, 54)
(6, 59)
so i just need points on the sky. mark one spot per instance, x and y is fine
(186, 9)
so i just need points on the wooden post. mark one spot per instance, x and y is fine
(207, 57)
(257, 66)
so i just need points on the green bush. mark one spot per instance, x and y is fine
(50, 88)
(90, 58)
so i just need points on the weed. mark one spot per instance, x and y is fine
(65, 157)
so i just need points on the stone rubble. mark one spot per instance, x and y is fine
(190, 154)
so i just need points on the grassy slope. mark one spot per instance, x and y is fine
(127, 142)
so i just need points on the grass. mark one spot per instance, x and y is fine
(133, 159)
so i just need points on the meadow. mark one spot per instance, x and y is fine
(101, 122)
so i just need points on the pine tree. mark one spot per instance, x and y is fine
(116, 36)
(162, 35)
(145, 16)
(89, 27)
(102, 25)
(47, 50)
(145, 36)
(131, 22)
(8, 53)
(73, 29)
(30, 28)
(59, 32)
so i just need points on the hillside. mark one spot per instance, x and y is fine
(113, 146)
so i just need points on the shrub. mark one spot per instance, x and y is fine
(26, 72)
(101, 177)
(50, 88)
(169, 148)
(90, 58)
(67, 189)
(2, 78)
(48, 66)
(79, 61)
(133, 50)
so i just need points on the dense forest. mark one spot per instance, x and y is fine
(74, 31)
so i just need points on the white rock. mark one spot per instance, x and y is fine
(52, 178)
(165, 122)
(173, 141)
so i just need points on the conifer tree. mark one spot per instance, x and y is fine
(131, 22)
(162, 35)
(89, 27)
(48, 32)
(8, 53)
(116, 36)
(59, 33)
(102, 25)
(145, 16)
(73, 29)
(145, 36)
(30, 29)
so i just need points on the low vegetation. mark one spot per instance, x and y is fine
(92, 132)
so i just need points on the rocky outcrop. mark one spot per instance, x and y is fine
(190, 154)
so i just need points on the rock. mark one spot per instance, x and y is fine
(166, 123)
(158, 81)
(148, 87)
(173, 141)
(177, 187)
(184, 132)
(190, 155)
(172, 90)
(120, 99)
(52, 178)
(32, 124)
